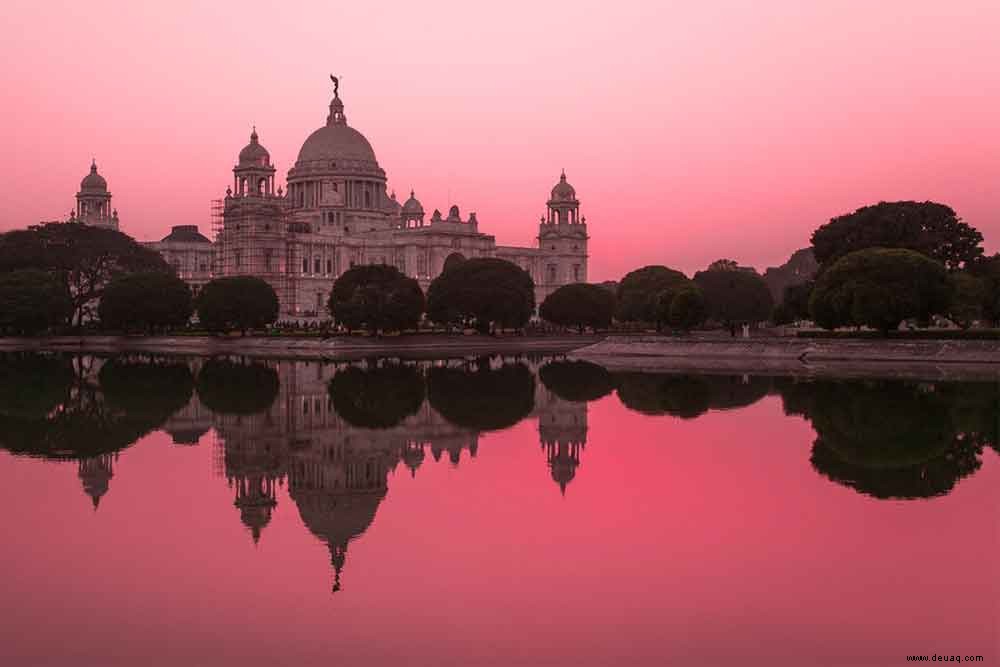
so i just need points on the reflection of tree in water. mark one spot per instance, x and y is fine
(892, 439)
(577, 381)
(684, 396)
(33, 385)
(147, 388)
(688, 396)
(377, 396)
(65, 413)
(480, 397)
(237, 387)
(729, 392)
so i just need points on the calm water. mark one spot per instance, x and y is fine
(490, 512)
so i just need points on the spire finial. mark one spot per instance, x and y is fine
(563, 176)
(93, 164)
(253, 135)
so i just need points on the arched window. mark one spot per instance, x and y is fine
(261, 185)
(368, 199)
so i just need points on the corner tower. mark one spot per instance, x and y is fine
(562, 238)
(93, 201)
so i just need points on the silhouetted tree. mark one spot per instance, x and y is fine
(237, 303)
(485, 291)
(481, 398)
(237, 388)
(579, 305)
(684, 309)
(576, 381)
(795, 304)
(640, 292)
(145, 301)
(32, 301)
(376, 297)
(879, 287)
(86, 258)
(451, 261)
(968, 298)
(929, 228)
(379, 397)
(735, 295)
(987, 270)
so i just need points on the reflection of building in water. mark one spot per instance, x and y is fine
(96, 472)
(337, 473)
(562, 430)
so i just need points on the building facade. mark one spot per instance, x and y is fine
(337, 213)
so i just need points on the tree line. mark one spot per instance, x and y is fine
(878, 266)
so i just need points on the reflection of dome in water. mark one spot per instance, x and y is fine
(336, 518)
(96, 473)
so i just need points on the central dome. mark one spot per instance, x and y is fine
(337, 141)
(333, 142)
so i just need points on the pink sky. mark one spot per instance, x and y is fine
(692, 131)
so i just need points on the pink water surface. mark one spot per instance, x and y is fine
(704, 542)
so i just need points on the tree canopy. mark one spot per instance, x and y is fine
(987, 270)
(32, 301)
(376, 297)
(641, 291)
(735, 295)
(483, 291)
(879, 287)
(929, 228)
(579, 305)
(794, 305)
(86, 258)
(145, 301)
(683, 309)
(236, 303)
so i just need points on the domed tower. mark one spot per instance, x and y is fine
(254, 173)
(562, 236)
(412, 214)
(251, 238)
(93, 201)
(336, 179)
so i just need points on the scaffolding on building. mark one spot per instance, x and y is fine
(257, 236)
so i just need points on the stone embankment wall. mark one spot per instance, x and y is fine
(278, 347)
(924, 358)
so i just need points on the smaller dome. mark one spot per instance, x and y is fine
(413, 205)
(93, 181)
(563, 191)
(254, 154)
(185, 234)
(453, 215)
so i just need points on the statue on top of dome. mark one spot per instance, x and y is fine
(336, 85)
